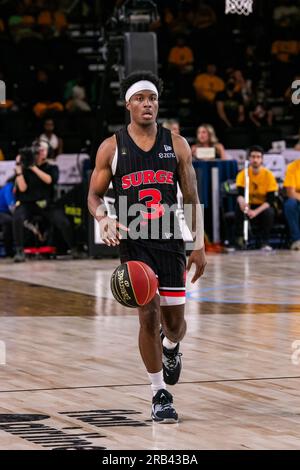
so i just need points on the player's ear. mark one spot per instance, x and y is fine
(128, 105)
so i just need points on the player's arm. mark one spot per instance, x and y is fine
(188, 186)
(99, 183)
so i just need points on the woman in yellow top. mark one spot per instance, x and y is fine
(292, 204)
(262, 187)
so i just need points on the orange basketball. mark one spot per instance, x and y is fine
(133, 284)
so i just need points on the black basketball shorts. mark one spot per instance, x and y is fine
(168, 261)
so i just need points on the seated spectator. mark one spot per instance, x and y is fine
(242, 86)
(297, 146)
(204, 17)
(261, 115)
(8, 104)
(173, 125)
(292, 204)
(49, 136)
(7, 206)
(208, 84)
(250, 65)
(46, 95)
(78, 101)
(2, 27)
(206, 138)
(286, 15)
(181, 64)
(181, 56)
(230, 106)
(262, 188)
(34, 195)
(285, 53)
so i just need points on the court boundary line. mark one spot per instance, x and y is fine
(249, 379)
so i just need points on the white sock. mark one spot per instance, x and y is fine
(168, 344)
(157, 382)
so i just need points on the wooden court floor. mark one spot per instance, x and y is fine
(71, 375)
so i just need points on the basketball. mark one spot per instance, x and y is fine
(133, 284)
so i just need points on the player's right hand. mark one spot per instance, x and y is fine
(109, 230)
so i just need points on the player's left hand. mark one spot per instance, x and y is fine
(198, 258)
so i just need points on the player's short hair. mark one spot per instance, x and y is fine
(140, 75)
(256, 148)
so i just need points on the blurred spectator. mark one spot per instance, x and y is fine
(46, 95)
(261, 115)
(55, 142)
(242, 86)
(181, 56)
(34, 195)
(8, 104)
(262, 187)
(78, 100)
(2, 27)
(230, 106)
(206, 137)
(286, 15)
(1, 155)
(173, 125)
(285, 53)
(7, 206)
(52, 21)
(204, 17)
(208, 84)
(297, 146)
(250, 64)
(181, 63)
(292, 204)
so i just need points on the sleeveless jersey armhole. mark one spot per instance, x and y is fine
(114, 161)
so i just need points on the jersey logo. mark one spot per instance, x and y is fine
(167, 148)
(147, 177)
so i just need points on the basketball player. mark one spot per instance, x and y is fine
(145, 161)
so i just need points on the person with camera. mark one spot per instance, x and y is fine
(35, 180)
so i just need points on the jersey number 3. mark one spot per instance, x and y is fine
(157, 209)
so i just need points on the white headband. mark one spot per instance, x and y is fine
(140, 86)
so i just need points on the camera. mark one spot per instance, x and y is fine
(28, 155)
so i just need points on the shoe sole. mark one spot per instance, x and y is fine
(165, 421)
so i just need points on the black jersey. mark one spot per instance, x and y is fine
(148, 183)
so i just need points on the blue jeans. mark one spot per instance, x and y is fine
(292, 215)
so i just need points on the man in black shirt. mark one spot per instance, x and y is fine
(230, 106)
(34, 195)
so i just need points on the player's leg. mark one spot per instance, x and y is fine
(151, 352)
(172, 303)
(149, 340)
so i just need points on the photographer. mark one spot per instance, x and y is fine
(35, 180)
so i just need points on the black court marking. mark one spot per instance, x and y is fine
(246, 379)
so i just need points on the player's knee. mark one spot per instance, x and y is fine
(174, 326)
(150, 319)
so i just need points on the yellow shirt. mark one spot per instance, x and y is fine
(181, 55)
(207, 86)
(1, 155)
(292, 177)
(259, 184)
(284, 50)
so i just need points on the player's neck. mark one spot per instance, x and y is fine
(142, 131)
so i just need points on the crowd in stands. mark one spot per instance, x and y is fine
(227, 79)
